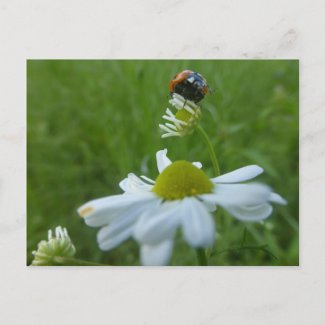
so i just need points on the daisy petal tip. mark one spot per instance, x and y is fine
(85, 211)
(101, 246)
(162, 152)
(239, 175)
(252, 171)
(162, 160)
(276, 198)
(122, 184)
(197, 164)
(251, 214)
(158, 255)
(259, 169)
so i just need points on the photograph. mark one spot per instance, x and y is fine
(162, 162)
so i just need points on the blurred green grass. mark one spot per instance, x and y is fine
(90, 123)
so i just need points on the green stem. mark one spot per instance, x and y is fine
(244, 238)
(262, 248)
(201, 257)
(213, 156)
(201, 254)
(70, 261)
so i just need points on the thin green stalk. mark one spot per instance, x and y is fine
(263, 248)
(244, 238)
(213, 156)
(201, 254)
(201, 257)
(70, 261)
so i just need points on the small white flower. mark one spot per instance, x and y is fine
(181, 197)
(59, 245)
(184, 121)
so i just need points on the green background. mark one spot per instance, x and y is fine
(90, 123)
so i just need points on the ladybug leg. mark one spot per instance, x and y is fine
(184, 103)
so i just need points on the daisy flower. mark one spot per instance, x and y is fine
(183, 197)
(184, 121)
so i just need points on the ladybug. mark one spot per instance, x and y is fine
(189, 84)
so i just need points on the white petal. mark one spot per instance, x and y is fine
(162, 160)
(197, 223)
(211, 207)
(117, 226)
(134, 184)
(112, 241)
(276, 198)
(100, 212)
(159, 224)
(238, 194)
(149, 180)
(156, 255)
(239, 175)
(251, 213)
(121, 227)
(197, 164)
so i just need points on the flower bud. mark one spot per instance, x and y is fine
(184, 121)
(59, 245)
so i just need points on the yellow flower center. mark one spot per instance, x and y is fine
(181, 179)
(183, 115)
